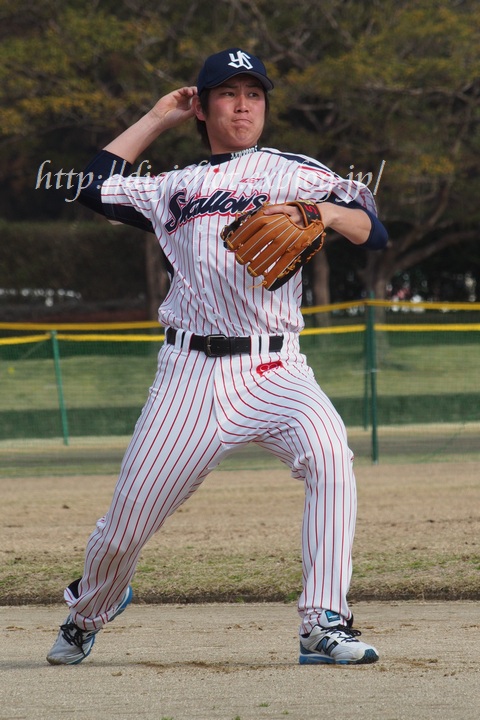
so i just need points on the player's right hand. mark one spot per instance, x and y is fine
(175, 108)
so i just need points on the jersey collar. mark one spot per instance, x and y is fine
(225, 157)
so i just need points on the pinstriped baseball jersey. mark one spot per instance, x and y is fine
(210, 292)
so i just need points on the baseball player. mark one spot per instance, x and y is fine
(230, 371)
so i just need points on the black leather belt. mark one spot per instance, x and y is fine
(221, 345)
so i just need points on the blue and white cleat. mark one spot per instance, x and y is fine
(73, 645)
(335, 644)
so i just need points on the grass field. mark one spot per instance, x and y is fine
(402, 368)
(103, 394)
(117, 374)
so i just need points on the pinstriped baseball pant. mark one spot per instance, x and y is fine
(199, 410)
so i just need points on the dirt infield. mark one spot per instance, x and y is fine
(239, 662)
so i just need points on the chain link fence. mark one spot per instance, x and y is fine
(404, 376)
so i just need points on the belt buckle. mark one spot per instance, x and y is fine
(216, 345)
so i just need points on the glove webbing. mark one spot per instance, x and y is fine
(311, 213)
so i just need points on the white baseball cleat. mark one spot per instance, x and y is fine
(74, 644)
(335, 644)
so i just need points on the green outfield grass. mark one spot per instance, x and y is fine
(403, 366)
(119, 380)
(105, 384)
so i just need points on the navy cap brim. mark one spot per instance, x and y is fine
(266, 82)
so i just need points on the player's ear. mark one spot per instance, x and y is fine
(197, 107)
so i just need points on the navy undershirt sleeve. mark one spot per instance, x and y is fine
(378, 236)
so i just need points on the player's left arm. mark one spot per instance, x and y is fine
(354, 222)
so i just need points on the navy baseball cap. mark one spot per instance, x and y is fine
(227, 63)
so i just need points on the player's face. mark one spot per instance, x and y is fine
(236, 114)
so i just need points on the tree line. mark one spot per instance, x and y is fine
(387, 91)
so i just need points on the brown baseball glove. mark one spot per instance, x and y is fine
(273, 246)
